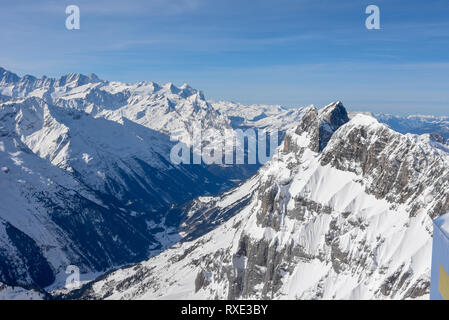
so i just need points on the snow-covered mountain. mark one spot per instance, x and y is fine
(417, 124)
(164, 108)
(86, 173)
(267, 117)
(342, 211)
(49, 219)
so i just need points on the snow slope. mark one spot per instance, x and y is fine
(85, 179)
(343, 211)
(49, 220)
(91, 160)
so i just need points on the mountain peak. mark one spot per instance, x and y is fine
(171, 88)
(321, 124)
(79, 78)
(335, 114)
(93, 77)
(7, 76)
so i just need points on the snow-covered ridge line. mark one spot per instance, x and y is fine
(88, 175)
(418, 124)
(342, 211)
(14, 86)
(85, 165)
(87, 160)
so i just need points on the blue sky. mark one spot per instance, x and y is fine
(292, 53)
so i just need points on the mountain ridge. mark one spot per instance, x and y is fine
(310, 229)
(344, 196)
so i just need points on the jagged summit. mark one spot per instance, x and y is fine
(110, 145)
(171, 88)
(93, 77)
(321, 124)
(77, 79)
(8, 77)
(342, 211)
(80, 79)
(166, 108)
(335, 114)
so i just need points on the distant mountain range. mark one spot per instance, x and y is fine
(86, 172)
(343, 210)
(417, 124)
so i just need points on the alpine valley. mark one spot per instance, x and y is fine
(343, 210)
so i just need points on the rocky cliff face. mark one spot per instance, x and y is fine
(342, 211)
(405, 170)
